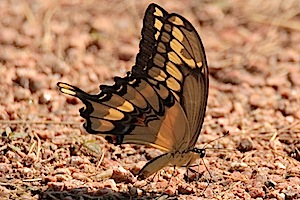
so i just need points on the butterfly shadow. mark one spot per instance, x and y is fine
(83, 193)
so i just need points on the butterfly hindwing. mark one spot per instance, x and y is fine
(126, 122)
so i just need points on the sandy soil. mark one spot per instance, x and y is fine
(253, 52)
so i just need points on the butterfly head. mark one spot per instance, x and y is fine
(200, 152)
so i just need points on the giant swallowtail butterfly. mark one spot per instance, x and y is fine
(162, 101)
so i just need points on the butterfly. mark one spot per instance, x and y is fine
(162, 101)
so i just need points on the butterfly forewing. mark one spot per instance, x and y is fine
(179, 63)
(154, 18)
(195, 70)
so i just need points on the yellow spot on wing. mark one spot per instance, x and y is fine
(199, 64)
(157, 74)
(177, 34)
(66, 86)
(126, 107)
(173, 84)
(179, 48)
(174, 71)
(114, 114)
(157, 35)
(174, 58)
(67, 91)
(176, 96)
(158, 12)
(176, 46)
(176, 20)
(158, 24)
(101, 125)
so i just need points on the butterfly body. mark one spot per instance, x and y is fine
(161, 103)
(177, 159)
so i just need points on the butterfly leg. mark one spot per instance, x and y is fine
(208, 180)
(188, 179)
(152, 179)
(198, 173)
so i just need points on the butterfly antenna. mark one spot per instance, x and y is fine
(226, 134)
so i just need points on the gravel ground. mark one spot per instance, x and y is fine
(253, 53)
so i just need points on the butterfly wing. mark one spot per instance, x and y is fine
(189, 48)
(131, 112)
(162, 101)
(179, 61)
(187, 52)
